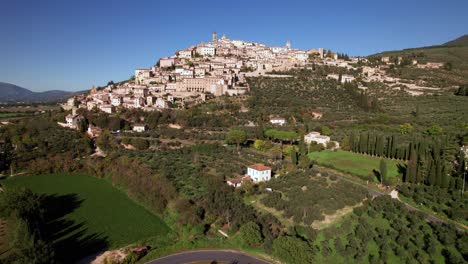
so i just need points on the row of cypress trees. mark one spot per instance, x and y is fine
(430, 160)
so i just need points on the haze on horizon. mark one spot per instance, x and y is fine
(53, 45)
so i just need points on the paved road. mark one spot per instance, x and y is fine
(228, 256)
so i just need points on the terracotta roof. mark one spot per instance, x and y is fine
(259, 167)
(240, 179)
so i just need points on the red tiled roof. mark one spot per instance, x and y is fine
(240, 179)
(259, 167)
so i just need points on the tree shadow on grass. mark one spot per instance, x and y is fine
(402, 170)
(377, 175)
(71, 240)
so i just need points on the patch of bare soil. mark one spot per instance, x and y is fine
(329, 219)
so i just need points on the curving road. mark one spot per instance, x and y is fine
(229, 256)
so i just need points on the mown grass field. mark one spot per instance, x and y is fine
(354, 163)
(89, 212)
(4, 115)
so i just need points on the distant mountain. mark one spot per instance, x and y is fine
(10, 93)
(461, 41)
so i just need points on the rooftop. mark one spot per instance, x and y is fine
(259, 167)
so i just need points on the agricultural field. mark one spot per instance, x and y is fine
(357, 164)
(382, 231)
(89, 212)
(310, 199)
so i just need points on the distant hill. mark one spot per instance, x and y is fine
(461, 41)
(455, 52)
(10, 93)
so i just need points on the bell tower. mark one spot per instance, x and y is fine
(214, 37)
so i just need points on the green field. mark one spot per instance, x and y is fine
(88, 214)
(4, 115)
(353, 163)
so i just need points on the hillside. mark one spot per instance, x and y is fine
(461, 41)
(10, 93)
(454, 53)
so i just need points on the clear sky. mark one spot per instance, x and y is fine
(71, 45)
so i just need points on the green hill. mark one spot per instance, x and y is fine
(453, 53)
(461, 41)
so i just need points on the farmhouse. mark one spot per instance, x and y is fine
(347, 78)
(277, 121)
(237, 182)
(139, 128)
(73, 120)
(317, 138)
(259, 173)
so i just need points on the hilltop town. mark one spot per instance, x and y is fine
(221, 66)
(195, 74)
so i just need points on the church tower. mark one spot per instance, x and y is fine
(214, 38)
(288, 45)
(93, 90)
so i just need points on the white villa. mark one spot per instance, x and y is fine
(278, 121)
(317, 138)
(255, 173)
(259, 173)
(139, 128)
(72, 120)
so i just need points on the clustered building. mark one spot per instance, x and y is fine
(194, 74)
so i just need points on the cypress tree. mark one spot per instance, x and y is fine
(445, 177)
(412, 167)
(294, 156)
(431, 179)
(369, 144)
(421, 171)
(389, 147)
(394, 145)
(351, 142)
(438, 173)
(379, 146)
(362, 143)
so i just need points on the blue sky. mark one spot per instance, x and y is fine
(71, 45)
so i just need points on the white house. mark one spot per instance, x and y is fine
(302, 56)
(206, 51)
(278, 121)
(138, 102)
(107, 108)
(185, 54)
(259, 173)
(139, 128)
(347, 78)
(72, 121)
(317, 138)
(161, 103)
(116, 101)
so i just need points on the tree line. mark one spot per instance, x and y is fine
(429, 160)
